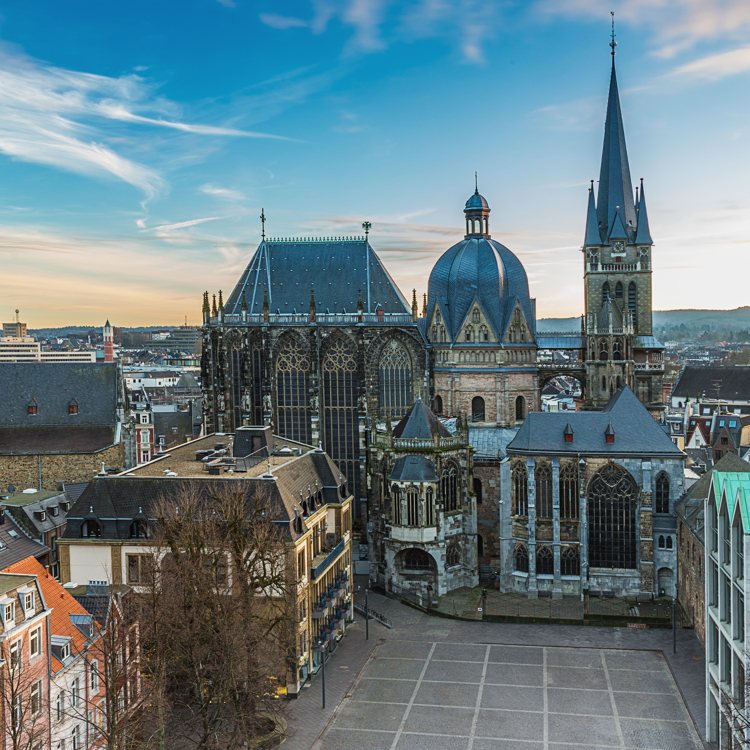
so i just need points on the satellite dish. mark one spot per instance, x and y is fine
(11, 489)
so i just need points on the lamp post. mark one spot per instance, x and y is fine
(321, 647)
(367, 615)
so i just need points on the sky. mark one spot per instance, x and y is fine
(139, 142)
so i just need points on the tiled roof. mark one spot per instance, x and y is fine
(50, 440)
(16, 544)
(61, 602)
(413, 469)
(490, 442)
(419, 422)
(636, 431)
(699, 382)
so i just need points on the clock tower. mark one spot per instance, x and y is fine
(620, 345)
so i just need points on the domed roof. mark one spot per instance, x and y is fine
(481, 269)
(477, 203)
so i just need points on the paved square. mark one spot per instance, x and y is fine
(471, 696)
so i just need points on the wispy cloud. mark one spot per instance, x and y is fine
(63, 119)
(282, 22)
(184, 224)
(220, 192)
(715, 67)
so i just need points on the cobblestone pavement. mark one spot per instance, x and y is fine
(307, 720)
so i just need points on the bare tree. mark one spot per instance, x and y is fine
(221, 619)
(23, 687)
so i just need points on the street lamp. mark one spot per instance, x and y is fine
(321, 647)
(367, 616)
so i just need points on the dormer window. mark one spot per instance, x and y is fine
(28, 601)
(139, 529)
(9, 613)
(91, 529)
(568, 433)
(55, 510)
(32, 406)
(65, 652)
(73, 407)
(609, 434)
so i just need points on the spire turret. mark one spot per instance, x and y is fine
(592, 223)
(615, 185)
(643, 237)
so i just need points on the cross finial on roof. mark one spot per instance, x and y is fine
(476, 184)
(262, 223)
(367, 226)
(613, 43)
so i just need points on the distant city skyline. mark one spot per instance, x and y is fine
(139, 144)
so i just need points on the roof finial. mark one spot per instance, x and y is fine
(367, 226)
(613, 43)
(262, 224)
(476, 184)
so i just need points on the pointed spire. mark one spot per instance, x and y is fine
(214, 311)
(643, 236)
(206, 306)
(615, 185)
(593, 236)
(617, 229)
(424, 306)
(221, 301)
(414, 307)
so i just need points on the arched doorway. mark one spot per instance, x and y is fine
(665, 578)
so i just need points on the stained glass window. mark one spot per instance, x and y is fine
(521, 558)
(395, 380)
(570, 562)
(568, 491)
(520, 490)
(545, 561)
(543, 480)
(292, 384)
(662, 494)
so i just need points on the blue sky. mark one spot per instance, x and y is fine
(139, 141)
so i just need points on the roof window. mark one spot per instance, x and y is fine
(32, 406)
(568, 432)
(73, 407)
(609, 433)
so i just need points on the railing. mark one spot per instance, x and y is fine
(322, 566)
(657, 366)
(421, 443)
(388, 319)
(575, 366)
(605, 267)
(318, 240)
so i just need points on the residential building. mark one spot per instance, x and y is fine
(24, 662)
(728, 386)
(16, 544)
(61, 423)
(727, 514)
(109, 527)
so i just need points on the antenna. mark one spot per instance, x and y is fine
(263, 224)
(613, 43)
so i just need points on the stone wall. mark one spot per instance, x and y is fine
(691, 582)
(23, 471)
(488, 513)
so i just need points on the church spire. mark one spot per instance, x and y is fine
(615, 186)
(592, 223)
(643, 236)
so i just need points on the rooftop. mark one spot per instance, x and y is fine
(10, 581)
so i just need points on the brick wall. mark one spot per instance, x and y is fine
(23, 471)
(690, 576)
(488, 513)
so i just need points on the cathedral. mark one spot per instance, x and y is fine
(317, 341)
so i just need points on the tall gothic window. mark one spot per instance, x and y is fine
(612, 498)
(603, 350)
(570, 562)
(633, 301)
(543, 482)
(475, 316)
(235, 360)
(521, 558)
(520, 490)
(396, 501)
(478, 490)
(292, 385)
(429, 507)
(477, 409)
(605, 292)
(617, 350)
(395, 380)
(520, 408)
(569, 491)
(661, 504)
(341, 418)
(545, 561)
(452, 557)
(412, 507)
(618, 290)
(256, 414)
(449, 488)
(469, 333)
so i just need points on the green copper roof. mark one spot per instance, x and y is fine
(737, 487)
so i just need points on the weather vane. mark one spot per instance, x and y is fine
(367, 226)
(613, 43)
(263, 224)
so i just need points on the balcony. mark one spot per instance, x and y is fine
(324, 560)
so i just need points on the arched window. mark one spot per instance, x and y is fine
(395, 379)
(340, 413)
(662, 543)
(520, 490)
(545, 561)
(396, 503)
(480, 545)
(412, 507)
(543, 481)
(512, 334)
(477, 409)
(292, 386)
(633, 302)
(434, 333)
(475, 315)
(570, 562)
(478, 490)
(520, 408)
(484, 334)
(617, 350)
(416, 559)
(604, 383)
(442, 333)
(618, 290)
(449, 488)
(521, 558)
(605, 292)
(569, 491)
(469, 333)
(452, 558)
(429, 507)
(669, 542)
(603, 350)
(661, 503)
(612, 523)
(438, 404)
(523, 334)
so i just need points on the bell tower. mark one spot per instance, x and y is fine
(620, 345)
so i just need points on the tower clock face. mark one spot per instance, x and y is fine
(618, 247)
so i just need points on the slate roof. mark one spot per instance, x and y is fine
(419, 423)
(479, 270)
(53, 385)
(698, 382)
(74, 489)
(16, 544)
(491, 442)
(413, 469)
(636, 431)
(33, 440)
(561, 341)
(25, 513)
(336, 270)
(173, 425)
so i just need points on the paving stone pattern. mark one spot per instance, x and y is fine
(438, 683)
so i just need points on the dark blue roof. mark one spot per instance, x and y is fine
(483, 270)
(413, 469)
(477, 202)
(419, 422)
(335, 269)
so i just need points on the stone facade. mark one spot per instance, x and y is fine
(691, 579)
(25, 471)
(488, 498)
